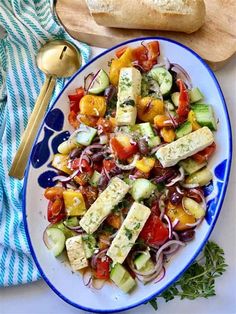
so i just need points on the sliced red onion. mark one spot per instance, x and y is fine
(161, 275)
(130, 166)
(138, 66)
(195, 224)
(77, 229)
(97, 283)
(180, 177)
(95, 257)
(182, 74)
(165, 63)
(170, 228)
(92, 80)
(155, 149)
(172, 120)
(87, 81)
(166, 245)
(202, 198)
(175, 234)
(87, 277)
(66, 179)
(106, 173)
(146, 277)
(189, 186)
(179, 191)
(45, 237)
(175, 223)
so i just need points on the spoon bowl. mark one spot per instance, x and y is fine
(58, 58)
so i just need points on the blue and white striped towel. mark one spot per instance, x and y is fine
(29, 24)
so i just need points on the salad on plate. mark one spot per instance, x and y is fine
(129, 191)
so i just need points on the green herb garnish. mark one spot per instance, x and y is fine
(128, 233)
(199, 280)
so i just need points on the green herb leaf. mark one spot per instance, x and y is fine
(199, 280)
(128, 233)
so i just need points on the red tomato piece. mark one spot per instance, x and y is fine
(103, 267)
(154, 231)
(105, 125)
(205, 154)
(72, 118)
(109, 164)
(184, 103)
(123, 152)
(84, 165)
(75, 100)
(120, 51)
(56, 211)
(146, 55)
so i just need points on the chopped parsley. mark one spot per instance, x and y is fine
(128, 233)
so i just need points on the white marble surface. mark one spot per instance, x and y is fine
(37, 298)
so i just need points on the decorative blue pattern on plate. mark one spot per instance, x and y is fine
(46, 179)
(58, 139)
(220, 170)
(55, 119)
(41, 152)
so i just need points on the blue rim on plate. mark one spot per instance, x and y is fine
(219, 205)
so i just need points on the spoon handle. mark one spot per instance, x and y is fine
(21, 158)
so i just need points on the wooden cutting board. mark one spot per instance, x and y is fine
(215, 41)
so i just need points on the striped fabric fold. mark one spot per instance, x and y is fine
(28, 24)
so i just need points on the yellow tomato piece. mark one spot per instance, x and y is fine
(148, 108)
(123, 139)
(60, 162)
(113, 121)
(145, 164)
(168, 134)
(192, 119)
(74, 203)
(177, 212)
(93, 105)
(162, 120)
(117, 64)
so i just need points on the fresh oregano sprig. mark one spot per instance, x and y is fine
(199, 280)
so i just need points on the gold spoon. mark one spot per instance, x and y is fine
(56, 59)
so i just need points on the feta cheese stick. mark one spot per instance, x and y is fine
(103, 205)
(129, 89)
(76, 253)
(128, 232)
(188, 145)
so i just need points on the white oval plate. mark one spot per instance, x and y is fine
(55, 128)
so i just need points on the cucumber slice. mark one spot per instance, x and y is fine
(184, 129)
(100, 83)
(195, 95)
(121, 277)
(56, 240)
(163, 78)
(85, 135)
(67, 232)
(202, 177)
(141, 189)
(154, 141)
(175, 98)
(190, 166)
(89, 243)
(127, 284)
(141, 260)
(146, 129)
(95, 178)
(193, 208)
(205, 115)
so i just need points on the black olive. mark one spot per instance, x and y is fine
(186, 235)
(143, 146)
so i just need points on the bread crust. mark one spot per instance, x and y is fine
(188, 16)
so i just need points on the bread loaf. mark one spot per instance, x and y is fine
(172, 15)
